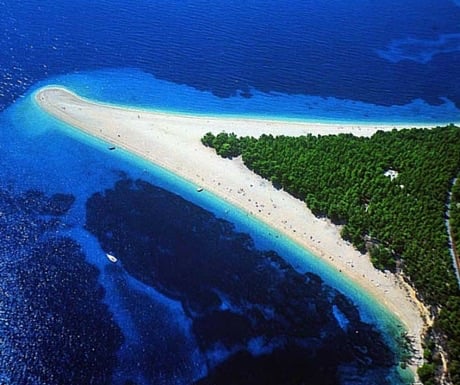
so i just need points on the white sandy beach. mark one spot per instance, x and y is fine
(173, 142)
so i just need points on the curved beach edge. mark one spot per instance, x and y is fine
(173, 142)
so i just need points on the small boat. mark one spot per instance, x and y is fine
(199, 189)
(111, 258)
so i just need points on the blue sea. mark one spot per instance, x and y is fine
(202, 293)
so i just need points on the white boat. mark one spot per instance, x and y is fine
(111, 258)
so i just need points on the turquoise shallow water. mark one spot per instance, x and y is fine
(131, 87)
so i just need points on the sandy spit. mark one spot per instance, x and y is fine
(173, 141)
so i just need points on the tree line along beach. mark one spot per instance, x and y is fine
(157, 136)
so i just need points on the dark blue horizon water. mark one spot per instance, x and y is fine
(355, 61)
(202, 293)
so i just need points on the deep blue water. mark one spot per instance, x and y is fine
(202, 293)
(354, 60)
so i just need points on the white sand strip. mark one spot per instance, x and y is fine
(173, 142)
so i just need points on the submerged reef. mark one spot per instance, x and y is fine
(254, 318)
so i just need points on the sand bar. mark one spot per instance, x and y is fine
(173, 142)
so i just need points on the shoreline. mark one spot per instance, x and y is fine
(174, 143)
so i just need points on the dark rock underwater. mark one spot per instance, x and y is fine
(252, 318)
(276, 326)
